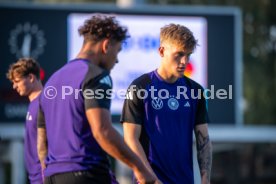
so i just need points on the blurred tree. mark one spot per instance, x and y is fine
(259, 73)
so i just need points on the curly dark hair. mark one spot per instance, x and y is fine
(179, 35)
(101, 26)
(22, 68)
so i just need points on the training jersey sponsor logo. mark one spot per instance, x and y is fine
(157, 103)
(173, 104)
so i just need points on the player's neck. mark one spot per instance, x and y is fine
(35, 91)
(166, 76)
(90, 51)
(88, 55)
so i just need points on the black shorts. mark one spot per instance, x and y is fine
(81, 177)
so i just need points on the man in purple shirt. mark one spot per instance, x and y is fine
(74, 125)
(24, 75)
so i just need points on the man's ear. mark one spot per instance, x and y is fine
(105, 46)
(161, 51)
(31, 77)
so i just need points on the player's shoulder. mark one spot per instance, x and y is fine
(92, 70)
(191, 83)
(95, 72)
(35, 101)
(143, 80)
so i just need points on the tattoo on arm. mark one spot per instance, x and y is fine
(204, 154)
(42, 147)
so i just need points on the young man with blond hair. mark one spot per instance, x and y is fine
(159, 128)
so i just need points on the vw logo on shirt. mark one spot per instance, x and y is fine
(173, 104)
(157, 103)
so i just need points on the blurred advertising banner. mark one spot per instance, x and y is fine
(49, 33)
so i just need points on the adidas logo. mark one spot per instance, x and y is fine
(29, 117)
(187, 104)
(106, 80)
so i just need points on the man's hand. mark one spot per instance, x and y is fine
(143, 176)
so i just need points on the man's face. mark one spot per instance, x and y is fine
(111, 57)
(175, 58)
(22, 85)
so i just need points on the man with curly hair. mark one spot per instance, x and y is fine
(75, 131)
(159, 128)
(25, 77)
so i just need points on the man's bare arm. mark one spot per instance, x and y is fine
(131, 136)
(204, 152)
(112, 142)
(42, 147)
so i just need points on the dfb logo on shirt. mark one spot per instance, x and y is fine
(173, 104)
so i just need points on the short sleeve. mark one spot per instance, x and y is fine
(40, 118)
(202, 116)
(97, 92)
(133, 109)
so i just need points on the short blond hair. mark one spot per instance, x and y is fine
(179, 35)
